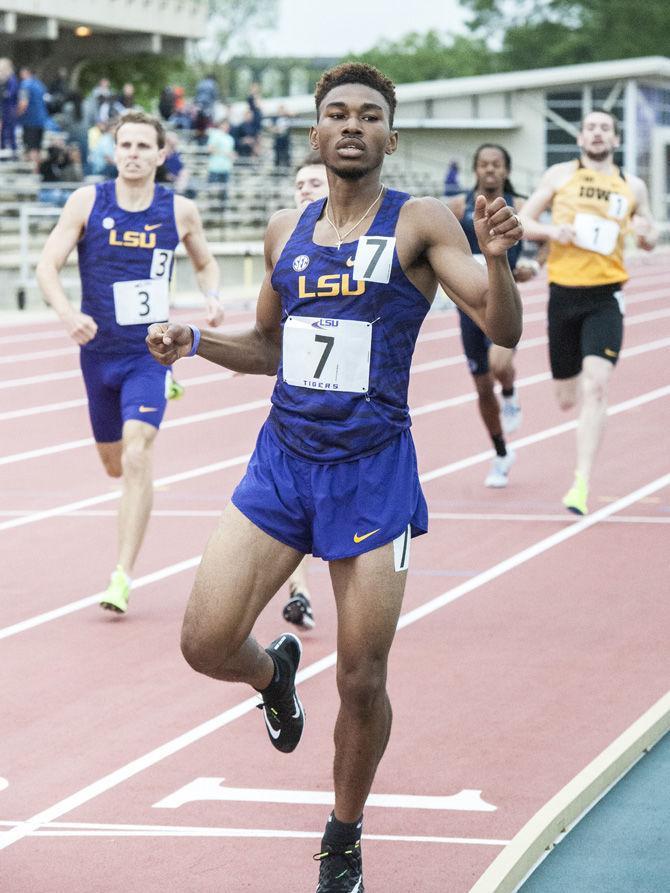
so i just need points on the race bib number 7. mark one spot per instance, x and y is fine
(141, 301)
(327, 354)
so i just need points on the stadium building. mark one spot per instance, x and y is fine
(535, 115)
(62, 33)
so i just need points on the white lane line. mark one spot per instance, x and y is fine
(158, 754)
(460, 464)
(40, 410)
(102, 829)
(45, 378)
(542, 435)
(564, 518)
(258, 404)
(178, 514)
(116, 494)
(428, 336)
(38, 355)
(170, 423)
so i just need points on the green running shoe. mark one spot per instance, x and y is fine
(575, 499)
(173, 390)
(118, 592)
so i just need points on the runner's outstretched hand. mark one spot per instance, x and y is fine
(497, 226)
(168, 341)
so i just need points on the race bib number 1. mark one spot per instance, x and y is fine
(141, 301)
(327, 354)
(596, 233)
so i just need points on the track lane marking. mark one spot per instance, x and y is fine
(158, 754)
(250, 406)
(428, 336)
(103, 829)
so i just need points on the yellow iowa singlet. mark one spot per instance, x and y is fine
(599, 206)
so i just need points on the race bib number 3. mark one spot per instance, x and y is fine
(161, 263)
(327, 354)
(141, 301)
(596, 233)
(374, 257)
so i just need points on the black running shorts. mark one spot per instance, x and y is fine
(583, 322)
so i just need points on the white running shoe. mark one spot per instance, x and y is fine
(499, 473)
(511, 414)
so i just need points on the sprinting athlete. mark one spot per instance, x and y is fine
(593, 205)
(126, 232)
(311, 183)
(488, 362)
(349, 281)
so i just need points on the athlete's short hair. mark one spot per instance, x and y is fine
(140, 117)
(309, 160)
(356, 73)
(600, 111)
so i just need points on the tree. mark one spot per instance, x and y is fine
(229, 23)
(539, 33)
(425, 57)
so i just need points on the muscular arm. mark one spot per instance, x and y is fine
(255, 351)
(206, 268)
(489, 296)
(62, 239)
(644, 226)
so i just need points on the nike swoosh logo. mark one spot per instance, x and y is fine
(144, 408)
(149, 227)
(359, 539)
(350, 261)
(275, 733)
(609, 352)
(297, 707)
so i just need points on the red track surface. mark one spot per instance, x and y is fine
(510, 688)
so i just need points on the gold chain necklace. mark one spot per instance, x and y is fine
(340, 238)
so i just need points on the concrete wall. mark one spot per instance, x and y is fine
(175, 18)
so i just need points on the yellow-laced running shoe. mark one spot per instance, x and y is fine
(173, 390)
(118, 592)
(575, 499)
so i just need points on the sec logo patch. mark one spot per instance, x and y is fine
(300, 263)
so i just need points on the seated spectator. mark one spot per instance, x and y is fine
(180, 118)
(61, 165)
(173, 172)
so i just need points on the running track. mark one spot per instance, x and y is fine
(529, 641)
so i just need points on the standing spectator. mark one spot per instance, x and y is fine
(221, 148)
(206, 94)
(127, 97)
(101, 151)
(58, 90)
(101, 92)
(253, 100)
(32, 114)
(166, 102)
(281, 129)
(9, 99)
(72, 121)
(246, 136)
(451, 184)
(180, 118)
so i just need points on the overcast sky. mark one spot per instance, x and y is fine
(309, 28)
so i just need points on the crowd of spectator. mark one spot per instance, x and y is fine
(81, 128)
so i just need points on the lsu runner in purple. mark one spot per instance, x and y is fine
(126, 232)
(348, 282)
